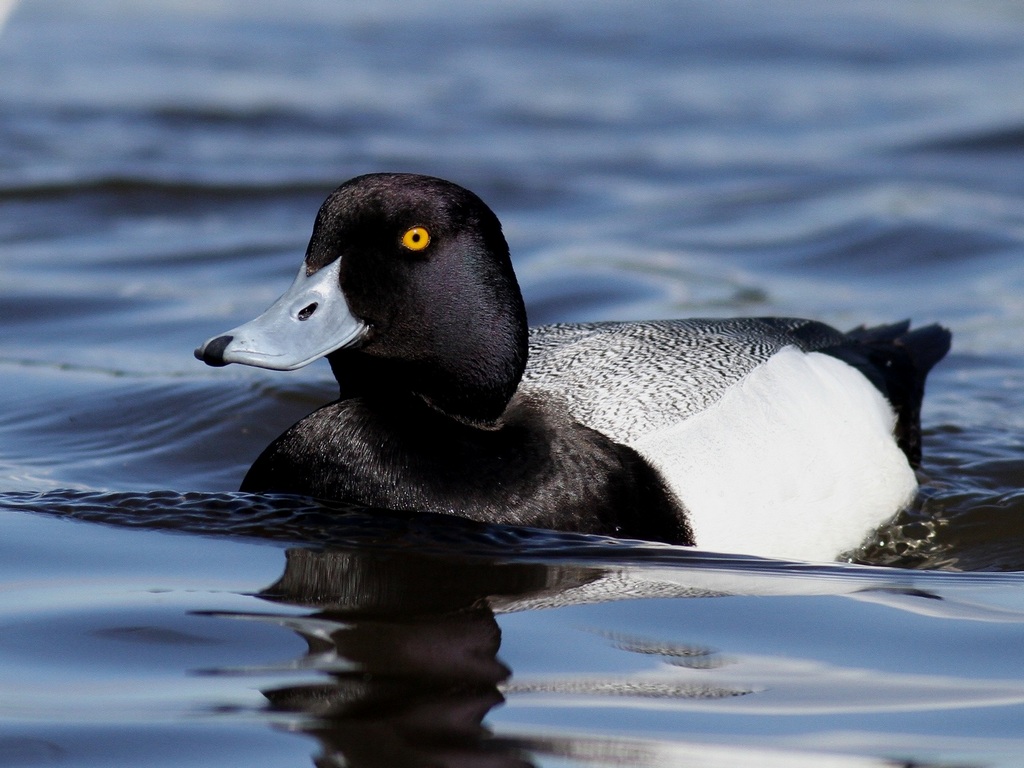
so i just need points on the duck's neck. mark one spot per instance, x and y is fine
(470, 383)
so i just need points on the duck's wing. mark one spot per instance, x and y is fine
(629, 379)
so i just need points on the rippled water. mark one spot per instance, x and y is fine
(160, 166)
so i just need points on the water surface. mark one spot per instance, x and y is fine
(160, 166)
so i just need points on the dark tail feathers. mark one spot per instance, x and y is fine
(897, 360)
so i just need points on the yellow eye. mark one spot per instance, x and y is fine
(416, 239)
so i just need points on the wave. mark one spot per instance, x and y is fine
(997, 140)
(167, 187)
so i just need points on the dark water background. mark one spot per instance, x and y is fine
(160, 166)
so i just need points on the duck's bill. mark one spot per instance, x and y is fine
(310, 320)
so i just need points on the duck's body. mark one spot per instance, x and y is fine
(769, 436)
(775, 443)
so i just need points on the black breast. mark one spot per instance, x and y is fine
(537, 468)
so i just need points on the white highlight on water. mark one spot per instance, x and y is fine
(6, 6)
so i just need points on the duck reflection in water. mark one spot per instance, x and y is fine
(410, 645)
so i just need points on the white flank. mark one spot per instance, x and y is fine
(795, 461)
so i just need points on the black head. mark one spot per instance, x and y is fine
(426, 299)
(425, 265)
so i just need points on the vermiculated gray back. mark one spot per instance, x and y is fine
(628, 379)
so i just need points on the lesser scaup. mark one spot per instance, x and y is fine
(769, 436)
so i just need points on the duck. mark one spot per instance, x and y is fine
(774, 437)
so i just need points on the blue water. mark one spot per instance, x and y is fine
(160, 166)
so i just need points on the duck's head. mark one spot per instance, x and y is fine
(406, 284)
